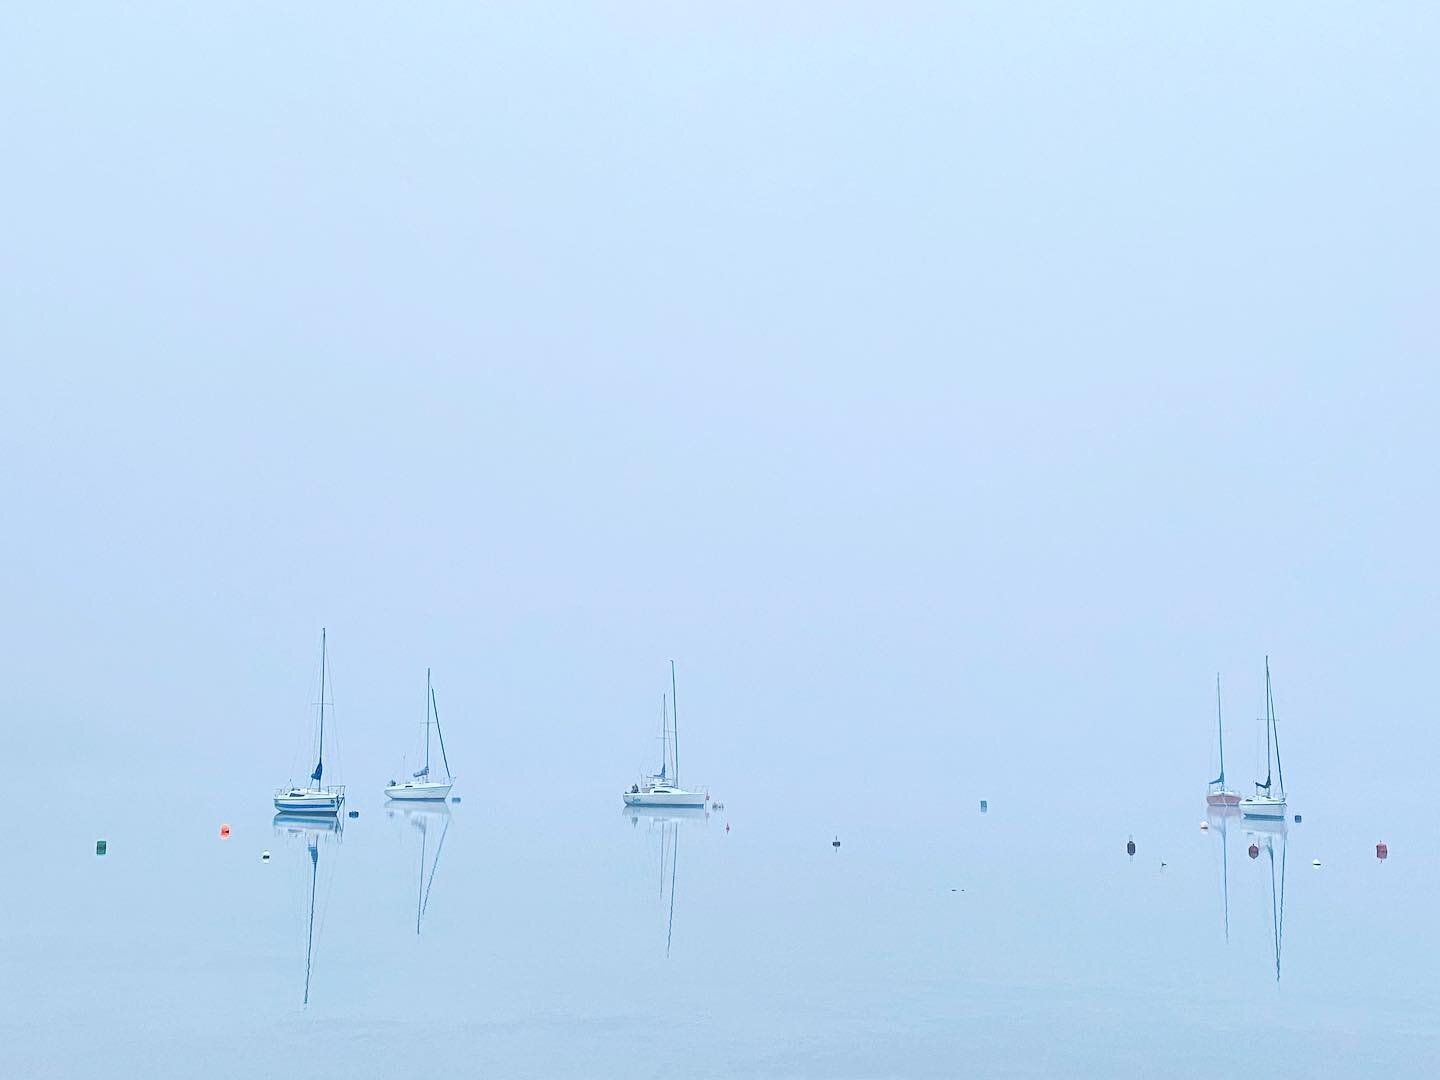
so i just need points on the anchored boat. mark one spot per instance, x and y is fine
(1219, 794)
(663, 788)
(420, 787)
(1268, 801)
(315, 798)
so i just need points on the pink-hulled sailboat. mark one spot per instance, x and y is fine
(1219, 794)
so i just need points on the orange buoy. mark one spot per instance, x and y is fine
(1382, 850)
(224, 832)
(1254, 851)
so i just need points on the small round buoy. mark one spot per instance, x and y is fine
(727, 826)
(1254, 851)
(454, 798)
(1382, 850)
(984, 806)
(1204, 826)
(1315, 862)
(1297, 819)
(1130, 846)
(264, 856)
(1163, 864)
(354, 813)
(835, 843)
(224, 831)
(101, 847)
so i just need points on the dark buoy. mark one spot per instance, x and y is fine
(1254, 851)
(1297, 819)
(835, 843)
(100, 847)
(984, 806)
(1130, 847)
(454, 798)
(1382, 850)
(354, 813)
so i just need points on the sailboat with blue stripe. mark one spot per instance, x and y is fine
(315, 797)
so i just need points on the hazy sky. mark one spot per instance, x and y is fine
(950, 389)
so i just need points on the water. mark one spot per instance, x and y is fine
(565, 936)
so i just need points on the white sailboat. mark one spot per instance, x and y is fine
(420, 788)
(315, 798)
(663, 788)
(1268, 801)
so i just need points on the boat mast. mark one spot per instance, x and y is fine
(675, 722)
(320, 751)
(1220, 726)
(1270, 709)
(428, 693)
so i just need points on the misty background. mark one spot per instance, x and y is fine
(951, 390)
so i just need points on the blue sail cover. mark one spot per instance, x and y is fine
(319, 768)
(1219, 779)
(422, 773)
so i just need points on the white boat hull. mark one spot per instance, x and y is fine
(310, 800)
(420, 791)
(1262, 806)
(695, 799)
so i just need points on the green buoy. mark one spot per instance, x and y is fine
(99, 847)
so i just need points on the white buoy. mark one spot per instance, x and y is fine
(1204, 826)
(264, 856)
(1315, 862)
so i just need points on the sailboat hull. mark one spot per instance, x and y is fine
(1261, 806)
(695, 799)
(1222, 798)
(310, 800)
(428, 791)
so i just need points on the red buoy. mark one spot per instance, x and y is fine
(224, 832)
(1254, 851)
(1382, 850)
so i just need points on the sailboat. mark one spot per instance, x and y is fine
(420, 787)
(315, 799)
(663, 788)
(1219, 794)
(1268, 801)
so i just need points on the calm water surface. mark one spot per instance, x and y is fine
(569, 936)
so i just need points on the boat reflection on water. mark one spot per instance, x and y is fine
(1268, 836)
(665, 823)
(311, 830)
(1219, 818)
(424, 818)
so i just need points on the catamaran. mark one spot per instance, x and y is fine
(420, 787)
(663, 788)
(315, 799)
(1219, 794)
(1268, 802)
